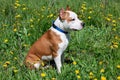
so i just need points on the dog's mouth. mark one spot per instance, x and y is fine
(74, 29)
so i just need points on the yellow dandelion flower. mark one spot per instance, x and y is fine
(102, 70)
(111, 47)
(74, 62)
(118, 78)
(29, 34)
(17, 1)
(48, 16)
(77, 71)
(115, 42)
(53, 79)
(42, 16)
(80, 16)
(113, 21)
(25, 45)
(48, 8)
(15, 7)
(95, 79)
(17, 4)
(6, 40)
(42, 74)
(3, 10)
(115, 46)
(103, 78)
(5, 65)
(38, 20)
(89, 17)
(116, 37)
(91, 74)
(83, 7)
(82, 10)
(101, 62)
(31, 20)
(15, 58)
(90, 12)
(118, 66)
(114, 25)
(11, 52)
(23, 4)
(31, 26)
(51, 15)
(108, 19)
(15, 29)
(91, 77)
(18, 16)
(43, 7)
(119, 18)
(101, 5)
(84, 4)
(24, 9)
(7, 62)
(15, 71)
(78, 76)
(13, 67)
(110, 15)
(114, 29)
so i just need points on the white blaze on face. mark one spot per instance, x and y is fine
(75, 23)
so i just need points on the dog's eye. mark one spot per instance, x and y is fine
(72, 19)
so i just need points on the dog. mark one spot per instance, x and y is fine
(53, 42)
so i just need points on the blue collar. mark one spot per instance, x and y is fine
(57, 28)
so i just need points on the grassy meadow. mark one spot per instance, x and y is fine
(94, 51)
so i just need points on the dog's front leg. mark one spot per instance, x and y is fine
(58, 63)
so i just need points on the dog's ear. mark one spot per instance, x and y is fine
(68, 7)
(62, 14)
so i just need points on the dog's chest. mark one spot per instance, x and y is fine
(64, 38)
(63, 45)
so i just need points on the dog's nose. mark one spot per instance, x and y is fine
(83, 24)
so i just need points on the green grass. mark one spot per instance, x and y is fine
(95, 49)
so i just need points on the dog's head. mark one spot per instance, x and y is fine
(70, 20)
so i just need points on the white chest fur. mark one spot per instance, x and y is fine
(64, 37)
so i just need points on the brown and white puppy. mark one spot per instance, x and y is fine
(53, 42)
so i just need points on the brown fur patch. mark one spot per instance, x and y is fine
(44, 46)
(66, 16)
